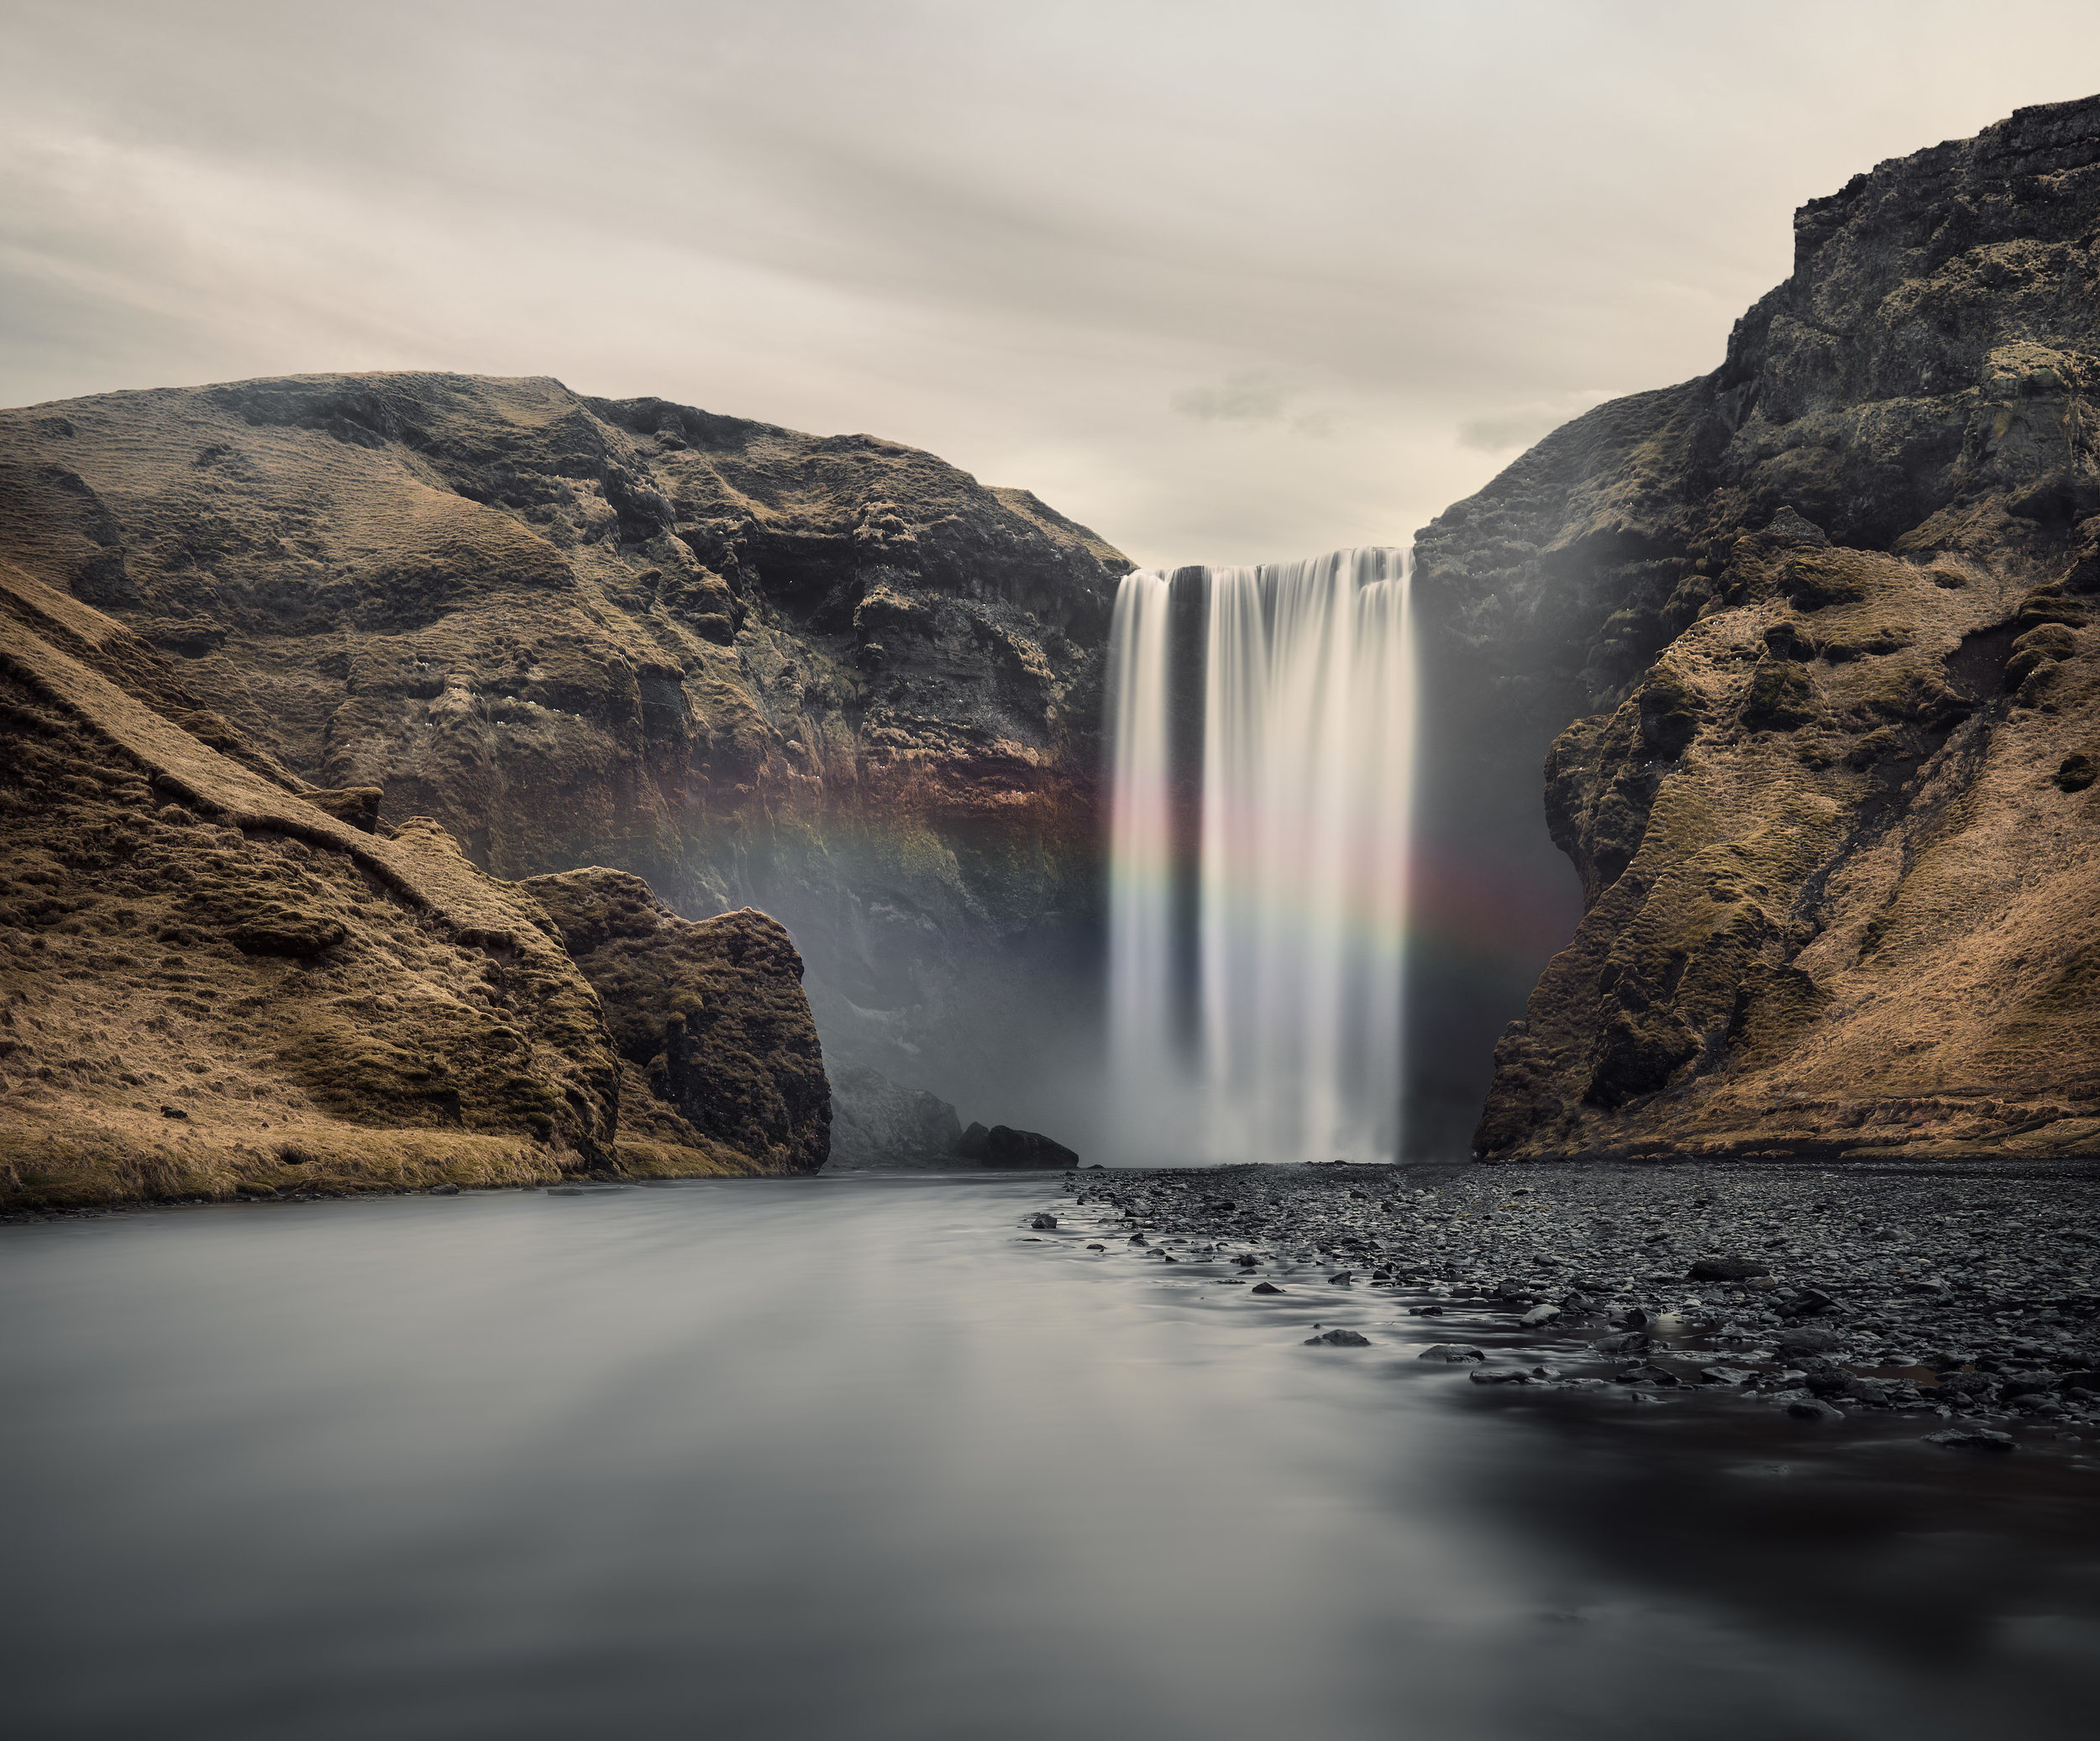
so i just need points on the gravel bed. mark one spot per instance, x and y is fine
(1966, 1297)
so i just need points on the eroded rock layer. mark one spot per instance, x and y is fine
(833, 677)
(1826, 615)
(213, 984)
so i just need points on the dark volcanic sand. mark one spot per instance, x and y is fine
(1964, 1297)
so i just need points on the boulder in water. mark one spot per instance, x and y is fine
(1002, 1145)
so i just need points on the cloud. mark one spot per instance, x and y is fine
(1250, 399)
(1079, 247)
(1243, 399)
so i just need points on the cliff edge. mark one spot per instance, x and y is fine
(1823, 623)
(217, 981)
(833, 677)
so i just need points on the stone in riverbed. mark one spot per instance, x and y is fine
(1452, 1352)
(1795, 1344)
(1042, 1222)
(1976, 1438)
(1727, 1269)
(1339, 1339)
(1627, 1342)
(1540, 1315)
(1499, 1375)
(1265, 1287)
(1807, 1409)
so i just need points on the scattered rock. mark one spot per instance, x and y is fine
(1727, 1269)
(1042, 1222)
(1971, 1439)
(1793, 1344)
(2016, 1324)
(1339, 1339)
(1627, 1342)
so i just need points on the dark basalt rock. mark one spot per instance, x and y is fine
(1001, 1145)
(2010, 1333)
(879, 1124)
(1727, 1269)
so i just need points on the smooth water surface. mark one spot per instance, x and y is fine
(860, 1458)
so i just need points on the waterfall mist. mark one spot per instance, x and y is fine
(1262, 724)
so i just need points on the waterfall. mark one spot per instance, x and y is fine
(1260, 722)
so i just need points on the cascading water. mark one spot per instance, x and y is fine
(1262, 723)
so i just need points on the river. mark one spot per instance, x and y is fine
(863, 1458)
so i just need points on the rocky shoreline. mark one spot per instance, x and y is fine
(1966, 1298)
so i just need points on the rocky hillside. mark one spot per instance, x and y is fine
(834, 679)
(216, 980)
(1823, 622)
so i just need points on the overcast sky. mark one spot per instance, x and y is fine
(1229, 282)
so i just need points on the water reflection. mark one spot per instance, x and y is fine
(858, 1458)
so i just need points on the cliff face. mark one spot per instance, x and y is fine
(835, 679)
(1821, 621)
(215, 980)
(717, 1044)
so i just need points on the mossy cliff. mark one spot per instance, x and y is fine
(833, 677)
(716, 1042)
(214, 982)
(1822, 620)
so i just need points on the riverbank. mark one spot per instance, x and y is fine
(1964, 1296)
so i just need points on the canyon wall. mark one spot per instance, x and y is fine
(216, 980)
(833, 679)
(1805, 647)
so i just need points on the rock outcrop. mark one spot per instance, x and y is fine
(833, 677)
(1822, 620)
(878, 1125)
(718, 1047)
(1002, 1145)
(212, 983)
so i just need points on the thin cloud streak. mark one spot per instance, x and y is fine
(1229, 282)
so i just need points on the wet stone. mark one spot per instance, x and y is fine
(1971, 1439)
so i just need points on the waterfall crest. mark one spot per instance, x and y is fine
(1261, 727)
